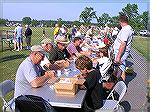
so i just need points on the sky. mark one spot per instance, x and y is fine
(67, 10)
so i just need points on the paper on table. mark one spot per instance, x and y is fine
(53, 80)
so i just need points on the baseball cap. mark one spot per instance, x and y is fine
(38, 48)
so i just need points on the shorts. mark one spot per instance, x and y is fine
(123, 59)
(19, 39)
(28, 39)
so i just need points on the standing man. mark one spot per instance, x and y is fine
(18, 37)
(122, 45)
(28, 34)
(30, 74)
(90, 32)
(73, 31)
(56, 31)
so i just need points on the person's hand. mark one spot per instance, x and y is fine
(66, 64)
(117, 60)
(94, 60)
(51, 73)
(59, 61)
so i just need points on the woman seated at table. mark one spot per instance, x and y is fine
(94, 96)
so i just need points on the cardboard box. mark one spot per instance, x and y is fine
(68, 86)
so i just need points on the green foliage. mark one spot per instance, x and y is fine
(144, 18)
(3, 22)
(87, 15)
(131, 10)
(77, 23)
(26, 20)
(59, 21)
(35, 22)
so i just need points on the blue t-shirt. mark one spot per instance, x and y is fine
(26, 73)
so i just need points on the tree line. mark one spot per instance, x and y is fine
(136, 20)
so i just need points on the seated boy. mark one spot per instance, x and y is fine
(94, 96)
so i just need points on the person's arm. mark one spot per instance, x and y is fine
(121, 50)
(39, 81)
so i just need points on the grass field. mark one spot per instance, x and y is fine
(10, 60)
(142, 44)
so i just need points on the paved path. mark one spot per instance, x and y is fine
(136, 92)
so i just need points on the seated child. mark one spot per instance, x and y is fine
(94, 96)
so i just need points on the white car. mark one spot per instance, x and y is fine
(144, 32)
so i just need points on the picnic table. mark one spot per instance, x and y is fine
(6, 36)
(48, 93)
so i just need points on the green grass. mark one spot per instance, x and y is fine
(143, 46)
(10, 60)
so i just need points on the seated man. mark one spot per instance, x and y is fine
(74, 48)
(59, 55)
(94, 96)
(30, 74)
(59, 52)
(48, 62)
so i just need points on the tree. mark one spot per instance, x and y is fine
(26, 20)
(144, 18)
(59, 21)
(131, 10)
(3, 22)
(35, 22)
(104, 19)
(114, 21)
(77, 23)
(87, 15)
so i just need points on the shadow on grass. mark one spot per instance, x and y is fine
(13, 57)
(130, 77)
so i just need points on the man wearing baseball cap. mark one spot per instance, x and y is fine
(30, 74)
(59, 53)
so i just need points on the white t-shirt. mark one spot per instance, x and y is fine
(102, 60)
(125, 35)
(78, 33)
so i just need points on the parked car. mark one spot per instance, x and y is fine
(144, 33)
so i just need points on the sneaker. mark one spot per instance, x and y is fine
(18, 50)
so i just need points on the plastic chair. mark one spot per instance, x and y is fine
(116, 94)
(6, 87)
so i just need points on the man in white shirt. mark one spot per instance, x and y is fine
(122, 44)
(18, 37)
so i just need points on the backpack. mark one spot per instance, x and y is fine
(31, 103)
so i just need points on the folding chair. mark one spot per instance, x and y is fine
(116, 94)
(6, 87)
